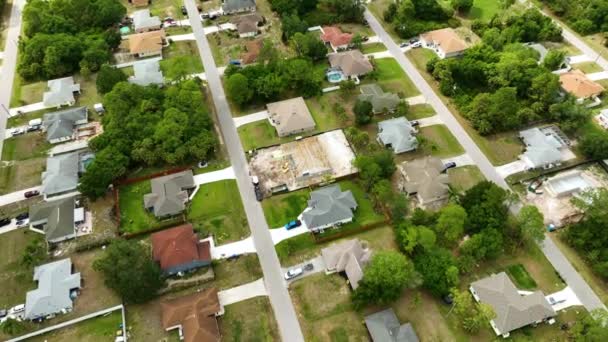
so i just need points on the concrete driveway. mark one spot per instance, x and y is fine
(182, 37)
(563, 299)
(510, 169)
(244, 246)
(28, 108)
(460, 160)
(214, 176)
(578, 59)
(16, 196)
(430, 121)
(596, 76)
(414, 100)
(280, 234)
(247, 119)
(318, 264)
(243, 292)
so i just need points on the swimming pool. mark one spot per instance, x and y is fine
(335, 76)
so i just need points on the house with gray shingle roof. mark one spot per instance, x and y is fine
(513, 310)
(397, 134)
(238, 6)
(59, 126)
(542, 150)
(56, 282)
(147, 72)
(169, 194)
(381, 102)
(290, 116)
(61, 175)
(425, 179)
(352, 63)
(329, 207)
(384, 326)
(60, 92)
(143, 21)
(350, 257)
(55, 219)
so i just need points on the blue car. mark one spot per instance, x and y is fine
(293, 224)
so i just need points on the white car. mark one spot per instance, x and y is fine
(18, 131)
(293, 273)
(416, 45)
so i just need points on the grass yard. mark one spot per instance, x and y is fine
(322, 110)
(392, 78)
(372, 47)
(587, 67)
(21, 174)
(25, 93)
(463, 178)
(217, 209)
(280, 209)
(521, 277)
(596, 43)
(101, 328)
(16, 279)
(23, 119)
(484, 9)
(249, 320)
(26, 146)
(133, 216)
(262, 134)
(420, 111)
(440, 142)
(377, 8)
(181, 57)
(325, 309)
(5, 16)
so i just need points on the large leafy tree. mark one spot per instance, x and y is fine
(485, 204)
(472, 316)
(531, 224)
(238, 89)
(108, 77)
(450, 223)
(128, 269)
(438, 269)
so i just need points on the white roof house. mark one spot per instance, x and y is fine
(397, 134)
(147, 72)
(542, 149)
(60, 92)
(142, 21)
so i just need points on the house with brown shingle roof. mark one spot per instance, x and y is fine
(425, 179)
(179, 250)
(352, 63)
(194, 315)
(576, 83)
(290, 116)
(350, 257)
(247, 25)
(147, 44)
(337, 39)
(445, 42)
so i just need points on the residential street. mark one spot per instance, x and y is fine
(284, 311)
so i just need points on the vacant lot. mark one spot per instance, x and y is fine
(372, 47)
(280, 209)
(101, 328)
(484, 9)
(420, 111)
(26, 146)
(323, 110)
(181, 57)
(20, 174)
(16, 279)
(439, 141)
(392, 78)
(133, 216)
(249, 320)
(465, 177)
(217, 209)
(25, 93)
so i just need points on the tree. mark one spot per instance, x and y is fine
(238, 88)
(358, 138)
(531, 224)
(129, 270)
(384, 279)
(485, 207)
(450, 224)
(591, 328)
(594, 144)
(438, 269)
(108, 77)
(347, 88)
(472, 316)
(462, 6)
(108, 165)
(357, 42)
(292, 24)
(308, 45)
(34, 253)
(402, 108)
(349, 11)
(13, 327)
(554, 59)
(363, 112)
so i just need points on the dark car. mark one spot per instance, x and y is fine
(404, 44)
(414, 40)
(31, 193)
(184, 11)
(309, 267)
(258, 194)
(5, 221)
(414, 123)
(449, 165)
(448, 299)
(22, 216)
(293, 224)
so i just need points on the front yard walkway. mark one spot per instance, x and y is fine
(243, 292)
(510, 169)
(247, 119)
(563, 299)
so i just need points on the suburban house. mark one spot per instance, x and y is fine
(425, 179)
(335, 38)
(169, 194)
(56, 289)
(328, 207)
(238, 6)
(384, 326)
(578, 84)
(247, 25)
(147, 72)
(57, 219)
(60, 126)
(569, 183)
(143, 22)
(194, 315)
(513, 310)
(60, 92)
(397, 134)
(179, 250)
(140, 3)
(381, 102)
(147, 44)
(542, 150)
(350, 64)
(350, 257)
(445, 42)
(253, 48)
(63, 171)
(290, 116)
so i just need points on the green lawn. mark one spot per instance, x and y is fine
(101, 328)
(133, 216)
(372, 47)
(521, 277)
(322, 110)
(392, 78)
(484, 9)
(23, 119)
(439, 141)
(21, 174)
(249, 320)
(280, 209)
(25, 93)
(217, 209)
(420, 111)
(465, 177)
(260, 134)
(26, 146)
(16, 278)
(181, 57)
(587, 67)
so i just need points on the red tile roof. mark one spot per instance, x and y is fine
(335, 36)
(178, 246)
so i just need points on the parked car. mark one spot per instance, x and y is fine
(22, 216)
(255, 181)
(258, 194)
(296, 272)
(414, 40)
(365, 38)
(416, 45)
(551, 227)
(18, 131)
(449, 165)
(184, 11)
(309, 267)
(17, 309)
(3, 313)
(233, 257)
(170, 23)
(414, 123)
(34, 128)
(448, 299)
(31, 193)
(293, 224)
(22, 223)
(202, 164)
(5, 221)
(235, 62)
(404, 44)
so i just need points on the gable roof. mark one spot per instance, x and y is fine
(512, 310)
(178, 246)
(60, 92)
(237, 5)
(398, 133)
(347, 256)
(196, 315)
(61, 124)
(59, 217)
(541, 149)
(290, 115)
(142, 20)
(169, 193)
(61, 173)
(447, 39)
(425, 178)
(384, 326)
(55, 280)
(247, 23)
(577, 83)
(380, 100)
(146, 41)
(147, 72)
(329, 205)
(335, 36)
(351, 62)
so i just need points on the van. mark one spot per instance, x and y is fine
(255, 180)
(17, 309)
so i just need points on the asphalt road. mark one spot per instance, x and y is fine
(580, 287)
(9, 64)
(284, 311)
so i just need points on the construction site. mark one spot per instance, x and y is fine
(303, 162)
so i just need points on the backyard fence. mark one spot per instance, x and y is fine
(550, 172)
(349, 232)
